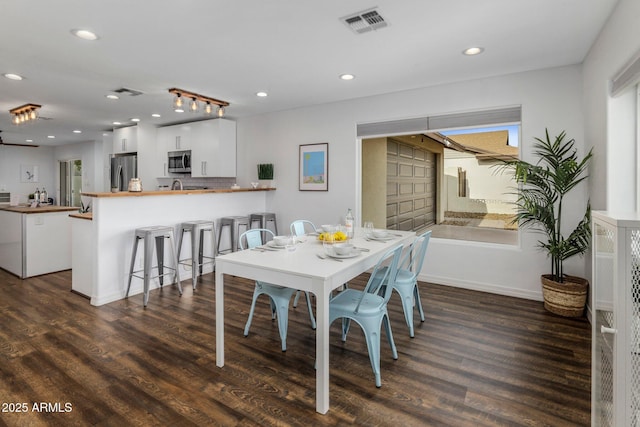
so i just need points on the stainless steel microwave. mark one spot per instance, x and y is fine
(179, 161)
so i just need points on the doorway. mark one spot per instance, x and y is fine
(70, 182)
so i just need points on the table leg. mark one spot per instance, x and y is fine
(219, 316)
(322, 350)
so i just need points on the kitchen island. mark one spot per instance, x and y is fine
(35, 241)
(117, 215)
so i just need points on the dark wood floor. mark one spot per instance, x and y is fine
(478, 360)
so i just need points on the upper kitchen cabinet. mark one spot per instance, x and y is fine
(213, 153)
(176, 137)
(125, 140)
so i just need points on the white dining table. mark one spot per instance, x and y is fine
(302, 269)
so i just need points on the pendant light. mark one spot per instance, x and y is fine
(221, 111)
(194, 106)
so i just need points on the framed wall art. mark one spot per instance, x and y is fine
(29, 173)
(314, 167)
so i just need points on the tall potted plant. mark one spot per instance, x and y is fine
(539, 203)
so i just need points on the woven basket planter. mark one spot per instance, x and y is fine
(566, 299)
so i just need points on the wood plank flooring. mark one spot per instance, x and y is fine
(478, 360)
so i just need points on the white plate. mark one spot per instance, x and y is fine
(381, 239)
(351, 255)
(272, 244)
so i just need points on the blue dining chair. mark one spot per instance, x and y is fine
(300, 227)
(369, 309)
(406, 283)
(279, 296)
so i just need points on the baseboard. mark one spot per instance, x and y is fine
(482, 287)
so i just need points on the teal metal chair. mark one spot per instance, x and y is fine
(279, 296)
(368, 308)
(300, 227)
(406, 283)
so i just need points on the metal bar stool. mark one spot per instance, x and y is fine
(197, 230)
(234, 223)
(150, 235)
(264, 218)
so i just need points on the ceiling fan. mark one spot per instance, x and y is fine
(14, 144)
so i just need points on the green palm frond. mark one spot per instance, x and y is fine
(541, 189)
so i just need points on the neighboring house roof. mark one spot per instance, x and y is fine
(487, 145)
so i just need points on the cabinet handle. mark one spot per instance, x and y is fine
(605, 330)
(164, 166)
(178, 142)
(203, 168)
(124, 144)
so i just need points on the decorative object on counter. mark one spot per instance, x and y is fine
(25, 113)
(84, 208)
(135, 185)
(254, 185)
(235, 187)
(314, 167)
(29, 173)
(265, 173)
(178, 102)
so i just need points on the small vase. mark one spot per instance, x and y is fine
(265, 183)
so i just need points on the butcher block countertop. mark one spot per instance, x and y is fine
(83, 215)
(173, 192)
(39, 209)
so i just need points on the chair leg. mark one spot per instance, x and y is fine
(160, 257)
(392, 344)
(416, 293)
(256, 294)
(295, 300)
(407, 306)
(148, 262)
(346, 322)
(282, 308)
(195, 256)
(311, 317)
(176, 272)
(372, 337)
(133, 260)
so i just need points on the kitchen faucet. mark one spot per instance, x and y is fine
(177, 185)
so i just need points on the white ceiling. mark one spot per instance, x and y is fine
(293, 49)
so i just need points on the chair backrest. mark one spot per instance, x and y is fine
(298, 227)
(383, 276)
(253, 237)
(416, 254)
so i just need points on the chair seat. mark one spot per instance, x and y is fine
(347, 300)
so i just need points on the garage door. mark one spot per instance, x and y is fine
(411, 187)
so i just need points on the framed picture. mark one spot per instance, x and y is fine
(314, 167)
(28, 173)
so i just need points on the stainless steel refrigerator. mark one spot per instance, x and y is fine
(123, 168)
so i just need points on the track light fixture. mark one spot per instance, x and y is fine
(195, 98)
(24, 113)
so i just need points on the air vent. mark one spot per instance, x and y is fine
(364, 21)
(127, 91)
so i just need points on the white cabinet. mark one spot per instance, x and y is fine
(172, 138)
(615, 364)
(125, 140)
(213, 153)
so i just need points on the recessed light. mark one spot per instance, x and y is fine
(112, 96)
(12, 76)
(179, 110)
(117, 123)
(84, 34)
(51, 136)
(473, 51)
(77, 131)
(135, 119)
(156, 115)
(28, 140)
(262, 94)
(347, 76)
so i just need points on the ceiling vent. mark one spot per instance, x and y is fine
(127, 91)
(365, 21)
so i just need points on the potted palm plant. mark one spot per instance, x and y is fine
(539, 205)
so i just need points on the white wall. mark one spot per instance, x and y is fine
(609, 126)
(549, 98)
(12, 157)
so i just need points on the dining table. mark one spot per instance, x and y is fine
(304, 266)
